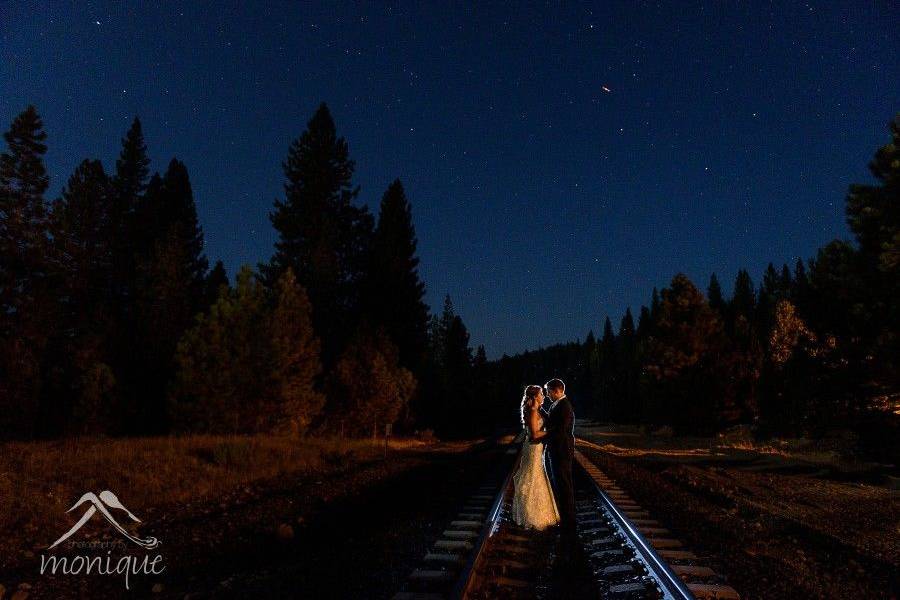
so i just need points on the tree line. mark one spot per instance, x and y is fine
(811, 348)
(112, 321)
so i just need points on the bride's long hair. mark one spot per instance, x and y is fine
(531, 392)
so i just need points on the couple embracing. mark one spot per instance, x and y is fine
(544, 492)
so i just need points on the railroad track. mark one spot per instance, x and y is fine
(484, 555)
(632, 554)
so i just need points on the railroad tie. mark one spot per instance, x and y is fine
(417, 596)
(460, 534)
(626, 590)
(677, 555)
(445, 558)
(453, 545)
(713, 591)
(433, 575)
(467, 524)
(665, 543)
(651, 532)
(687, 571)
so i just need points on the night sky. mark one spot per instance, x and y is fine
(561, 160)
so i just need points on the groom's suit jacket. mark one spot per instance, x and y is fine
(560, 425)
(560, 447)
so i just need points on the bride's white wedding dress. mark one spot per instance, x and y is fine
(533, 503)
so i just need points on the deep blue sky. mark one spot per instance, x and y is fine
(727, 138)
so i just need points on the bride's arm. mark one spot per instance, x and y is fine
(534, 425)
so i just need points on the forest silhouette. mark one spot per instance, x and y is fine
(112, 321)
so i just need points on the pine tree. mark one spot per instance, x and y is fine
(785, 283)
(223, 364)
(743, 300)
(367, 388)
(714, 295)
(215, 280)
(593, 374)
(644, 323)
(654, 305)
(683, 357)
(180, 220)
(130, 182)
(628, 368)
(800, 287)
(170, 290)
(770, 281)
(609, 405)
(132, 167)
(81, 224)
(626, 327)
(295, 360)
(873, 211)
(248, 364)
(23, 215)
(323, 236)
(25, 264)
(452, 381)
(394, 292)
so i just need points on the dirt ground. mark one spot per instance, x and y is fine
(778, 524)
(354, 532)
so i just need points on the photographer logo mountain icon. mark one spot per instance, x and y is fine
(102, 503)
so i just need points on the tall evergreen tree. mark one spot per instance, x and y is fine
(609, 405)
(215, 280)
(654, 305)
(785, 283)
(743, 300)
(323, 236)
(132, 166)
(23, 215)
(170, 289)
(800, 287)
(130, 182)
(628, 368)
(295, 361)
(644, 323)
(682, 359)
(82, 399)
(367, 387)
(394, 292)
(592, 374)
(714, 295)
(770, 281)
(248, 364)
(626, 327)
(452, 386)
(25, 265)
(873, 211)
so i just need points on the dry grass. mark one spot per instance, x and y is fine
(39, 481)
(627, 441)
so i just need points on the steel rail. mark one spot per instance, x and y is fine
(671, 585)
(466, 575)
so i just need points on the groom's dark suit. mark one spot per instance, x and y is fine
(560, 446)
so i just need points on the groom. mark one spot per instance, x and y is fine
(559, 422)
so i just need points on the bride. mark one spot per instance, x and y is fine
(533, 503)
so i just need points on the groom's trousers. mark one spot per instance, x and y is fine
(564, 494)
